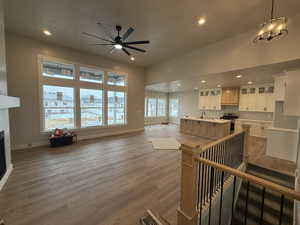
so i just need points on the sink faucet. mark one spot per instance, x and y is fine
(202, 115)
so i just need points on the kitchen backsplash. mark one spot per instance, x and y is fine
(241, 115)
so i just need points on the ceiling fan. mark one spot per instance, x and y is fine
(118, 42)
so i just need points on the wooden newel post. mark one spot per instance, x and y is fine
(246, 128)
(187, 211)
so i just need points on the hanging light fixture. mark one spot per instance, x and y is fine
(272, 28)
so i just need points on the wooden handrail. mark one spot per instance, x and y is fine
(198, 148)
(267, 184)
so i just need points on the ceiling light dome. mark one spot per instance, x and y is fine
(272, 28)
(118, 46)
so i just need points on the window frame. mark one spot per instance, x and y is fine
(170, 107)
(78, 84)
(157, 98)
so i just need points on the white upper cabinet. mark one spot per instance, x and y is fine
(257, 98)
(210, 99)
(279, 89)
(292, 94)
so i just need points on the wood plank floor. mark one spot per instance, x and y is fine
(108, 181)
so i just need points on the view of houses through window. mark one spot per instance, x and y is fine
(155, 107)
(75, 99)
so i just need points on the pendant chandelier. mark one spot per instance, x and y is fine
(272, 28)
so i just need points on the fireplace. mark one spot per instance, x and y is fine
(2, 155)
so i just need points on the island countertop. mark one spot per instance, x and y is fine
(206, 120)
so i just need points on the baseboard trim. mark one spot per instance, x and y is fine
(5, 177)
(80, 138)
(87, 137)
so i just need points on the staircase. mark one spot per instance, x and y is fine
(272, 200)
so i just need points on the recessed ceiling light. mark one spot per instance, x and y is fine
(201, 21)
(219, 85)
(203, 81)
(132, 58)
(47, 32)
(118, 46)
(250, 82)
(238, 76)
(195, 88)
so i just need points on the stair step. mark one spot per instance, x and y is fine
(271, 175)
(254, 213)
(271, 197)
(270, 206)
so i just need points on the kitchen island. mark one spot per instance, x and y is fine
(208, 128)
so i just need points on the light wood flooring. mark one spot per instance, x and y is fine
(108, 181)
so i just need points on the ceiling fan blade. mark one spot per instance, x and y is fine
(95, 36)
(134, 48)
(128, 53)
(102, 44)
(136, 42)
(106, 30)
(127, 33)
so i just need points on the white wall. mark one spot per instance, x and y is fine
(4, 116)
(22, 69)
(188, 104)
(157, 120)
(235, 53)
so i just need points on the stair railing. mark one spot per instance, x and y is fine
(199, 183)
(284, 192)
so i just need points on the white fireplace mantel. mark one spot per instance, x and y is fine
(9, 102)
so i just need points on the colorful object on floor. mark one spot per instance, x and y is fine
(62, 137)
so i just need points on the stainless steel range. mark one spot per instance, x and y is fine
(232, 117)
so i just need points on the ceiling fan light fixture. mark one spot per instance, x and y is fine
(201, 21)
(272, 28)
(118, 46)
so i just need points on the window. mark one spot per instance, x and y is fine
(58, 104)
(116, 107)
(58, 70)
(115, 79)
(91, 75)
(91, 107)
(151, 107)
(174, 107)
(73, 96)
(161, 107)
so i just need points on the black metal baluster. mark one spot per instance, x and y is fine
(221, 198)
(262, 206)
(211, 192)
(200, 216)
(281, 209)
(246, 208)
(199, 181)
(233, 198)
(205, 179)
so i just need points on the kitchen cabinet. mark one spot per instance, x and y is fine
(230, 96)
(257, 98)
(210, 99)
(257, 127)
(292, 94)
(213, 128)
(265, 99)
(279, 88)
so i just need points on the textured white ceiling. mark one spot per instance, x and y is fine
(258, 75)
(170, 25)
